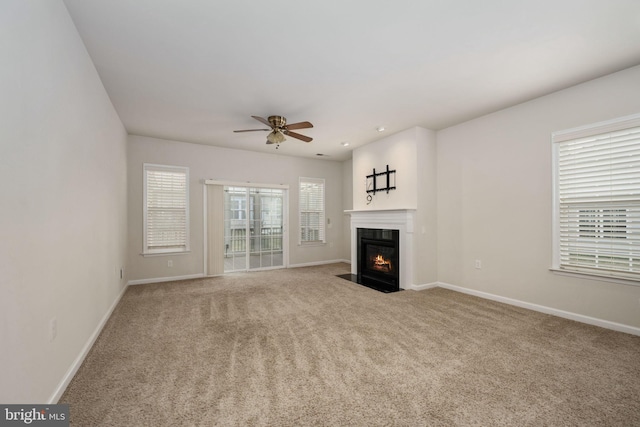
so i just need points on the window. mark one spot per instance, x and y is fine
(238, 207)
(166, 209)
(311, 210)
(597, 199)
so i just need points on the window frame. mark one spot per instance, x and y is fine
(146, 251)
(322, 227)
(601, 221)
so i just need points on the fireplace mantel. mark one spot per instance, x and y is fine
(388, 219)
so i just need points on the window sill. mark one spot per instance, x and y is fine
(305, 244)
(152, 254)
(593, 276)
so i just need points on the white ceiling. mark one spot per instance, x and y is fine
(195, 70)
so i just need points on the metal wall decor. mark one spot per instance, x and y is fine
(380, 181)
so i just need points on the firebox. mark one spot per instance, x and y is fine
(379, 259)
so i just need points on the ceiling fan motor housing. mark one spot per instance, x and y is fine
(277, 122)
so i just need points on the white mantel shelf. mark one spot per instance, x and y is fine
(387, 219)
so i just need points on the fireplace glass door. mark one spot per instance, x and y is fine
(379, 258)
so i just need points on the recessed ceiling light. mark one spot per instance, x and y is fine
(344, 144)
(380, 129)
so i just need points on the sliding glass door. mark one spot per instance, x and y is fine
(253, 228)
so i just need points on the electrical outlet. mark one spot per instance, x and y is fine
(170, 263)
(478, 264)
(53, 329)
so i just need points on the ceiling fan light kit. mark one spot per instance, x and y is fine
(275, 137)
(279, 128)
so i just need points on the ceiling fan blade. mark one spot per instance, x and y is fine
(249, 130)
(297, 136)
(261, 120)
(299, 125)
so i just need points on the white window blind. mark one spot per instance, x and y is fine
(597, 186)
(312, 222)
(166, 209)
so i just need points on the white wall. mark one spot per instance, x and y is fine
(63, 216)
(426, 226)
(399, 151)
(494, 200)
(347, 204)
(207, 162)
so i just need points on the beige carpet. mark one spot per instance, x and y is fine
(303, 347)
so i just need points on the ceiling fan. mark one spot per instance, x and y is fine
(279, 128)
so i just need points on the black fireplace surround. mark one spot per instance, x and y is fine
(379, 259)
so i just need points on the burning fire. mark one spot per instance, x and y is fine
(380, 263)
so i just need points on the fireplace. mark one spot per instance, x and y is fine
(400, 220)
(379, 258)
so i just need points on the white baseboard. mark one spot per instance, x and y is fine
(423, 286)
(165, 279)
(200, 275)
(547, 310)
(311, 264)
(57, 394)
